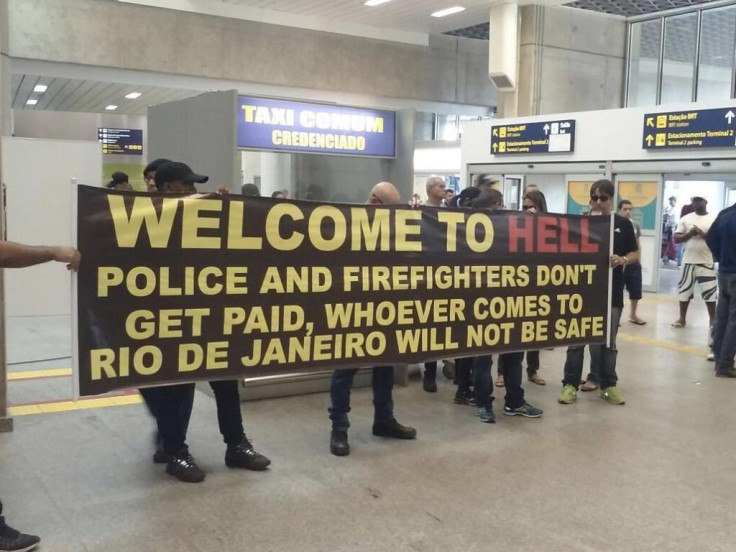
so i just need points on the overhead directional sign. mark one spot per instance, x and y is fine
(696, 128)
(120, 141)
(542, 137)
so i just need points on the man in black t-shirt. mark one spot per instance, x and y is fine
(625, 252)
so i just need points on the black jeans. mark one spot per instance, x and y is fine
(342, 382)
(172, 407)
(606, 359)
(430, 371)
(510, 365)
(463, 379)
(229, 415)
(532, 363)
(724, 338)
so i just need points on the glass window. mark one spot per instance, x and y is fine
(680, 36)
(644, 62)
(717, 43)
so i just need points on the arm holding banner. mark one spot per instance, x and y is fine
(16, 255)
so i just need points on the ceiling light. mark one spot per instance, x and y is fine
(111, 107)
(31, 102)
(374, 2)
(448, 11)
(133, 95)
(40, 88)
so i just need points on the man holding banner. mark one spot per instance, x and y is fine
(625, 252)
(15, 255)
(384, 424)
(179, 178)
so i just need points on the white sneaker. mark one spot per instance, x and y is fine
(711, 357)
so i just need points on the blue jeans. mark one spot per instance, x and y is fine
(724, 338)
(342, 382)
(510, 366)
(603, 359)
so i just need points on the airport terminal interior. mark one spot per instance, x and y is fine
(255, 129)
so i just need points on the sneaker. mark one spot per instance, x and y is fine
(465, 397)
(711, 357)
(534, 378)
(339, 445)
(500, 381)
(730, 373)
(184, 468)
(612, 395)
(243, 455)
(430, 386)
(569, 395)
(160, 457)
(526, 410)
(486, 415)
(15, 541)
(392, 428)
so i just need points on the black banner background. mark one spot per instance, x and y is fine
(103, 336)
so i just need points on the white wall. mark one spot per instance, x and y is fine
(37, 174)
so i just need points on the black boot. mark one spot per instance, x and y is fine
(339, 442)
(15, 541)
(392, 428)
(184, 468)
(243, 455)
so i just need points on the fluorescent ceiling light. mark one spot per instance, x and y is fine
(448, 11)
(375, 2)
(40, 88)
(31, 102)
(133, 95)
(111, 107)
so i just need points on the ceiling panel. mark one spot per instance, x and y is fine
(90, 96)
(631, 8)
(410, 15)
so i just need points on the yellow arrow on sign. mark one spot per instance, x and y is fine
(495, 131)
(495, 146)
(650, 122)
(650, 139)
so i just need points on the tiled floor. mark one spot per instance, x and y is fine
(651, 475)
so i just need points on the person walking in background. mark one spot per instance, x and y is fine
(632, 273)
(119, 181)
(698, 264)
(720, 239)
(669, 222)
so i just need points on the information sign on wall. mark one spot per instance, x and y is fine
(277, 125)
(542, 137)
(120, 141)
(693, 129)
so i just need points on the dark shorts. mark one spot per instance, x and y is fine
(632, 281)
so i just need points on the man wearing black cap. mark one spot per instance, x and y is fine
(119, 182)
(149, 173)
(179, 178)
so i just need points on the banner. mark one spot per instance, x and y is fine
(200, 287)
(279, 125)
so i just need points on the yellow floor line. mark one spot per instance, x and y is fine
(688, 349)
(82, 404)
(38, 374)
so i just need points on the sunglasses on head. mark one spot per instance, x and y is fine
(601, 198)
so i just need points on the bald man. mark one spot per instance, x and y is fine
(384, 423)
(435, 191)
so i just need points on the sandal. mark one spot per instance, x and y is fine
(589, 386)
(534, 378)
(677, 324)
(637, 321)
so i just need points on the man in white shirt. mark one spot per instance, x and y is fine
(697, 261)
(435, 191)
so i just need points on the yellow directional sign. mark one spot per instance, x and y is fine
(650, 138)
(650, 122)
(495, 131)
